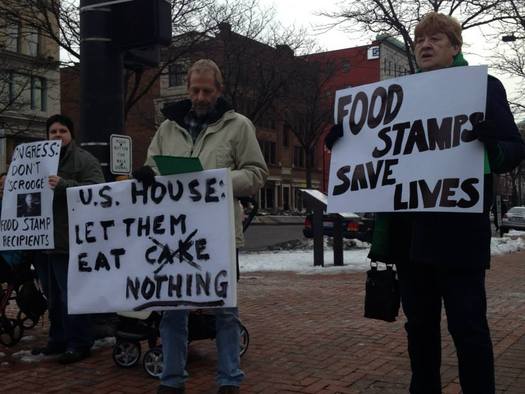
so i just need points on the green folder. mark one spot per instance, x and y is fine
(169, 165)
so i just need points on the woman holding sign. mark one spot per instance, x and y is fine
(441, 257)
(69, 335)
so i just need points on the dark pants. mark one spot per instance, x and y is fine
(74, 332)
(41, 264)
(463, 293)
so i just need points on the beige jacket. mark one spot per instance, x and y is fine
(230, 142)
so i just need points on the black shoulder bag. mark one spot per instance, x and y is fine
(382, 297)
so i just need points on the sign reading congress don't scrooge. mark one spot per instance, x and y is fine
(27, 206)
(168, 246)
(408, 146)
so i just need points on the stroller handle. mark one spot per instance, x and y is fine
(246, 202)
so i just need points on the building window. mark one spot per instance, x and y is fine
(176, 74)
(268, 197)
(286, 132)
(13, 35)
(345, 65)
(298, 156)
(268, 150)
(18, 88)
(33, 42)
(298, 203)
(38, 93)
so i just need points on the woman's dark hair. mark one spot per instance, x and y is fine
(62, 119)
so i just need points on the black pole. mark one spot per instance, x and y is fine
(101, 82)
(338, 240)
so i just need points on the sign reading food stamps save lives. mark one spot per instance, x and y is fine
(408, 145)
(27, 204)
(168, 246)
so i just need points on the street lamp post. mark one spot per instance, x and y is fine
(108, 30)
(101, 81)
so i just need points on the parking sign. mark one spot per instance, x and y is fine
(120, 154)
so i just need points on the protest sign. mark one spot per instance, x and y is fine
(408, 144)
(168, 246)
(27, 206)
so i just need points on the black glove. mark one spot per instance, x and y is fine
(333, 135)
(486, 131)
(144, 174)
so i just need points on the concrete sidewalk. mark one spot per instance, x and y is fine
(307, 336)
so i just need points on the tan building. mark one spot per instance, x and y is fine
(29, 80)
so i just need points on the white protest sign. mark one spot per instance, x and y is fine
(408, 146)
(27, 205)
(171, 246)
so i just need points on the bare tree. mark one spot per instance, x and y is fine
(399, 17)
(256, 54)
(45, 15)
(28, 72)
(509, 56)
(308, 107)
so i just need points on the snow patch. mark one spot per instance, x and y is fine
(104, 342)
(25, 356)
(303, 261)
(297, 256)
(499, 246)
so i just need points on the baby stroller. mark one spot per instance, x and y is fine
(17, 281)
(134, 327)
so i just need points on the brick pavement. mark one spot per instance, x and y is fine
(307, 336)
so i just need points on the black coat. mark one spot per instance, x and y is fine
(458, 239)
(463, 239)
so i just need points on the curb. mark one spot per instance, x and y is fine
(274, 219)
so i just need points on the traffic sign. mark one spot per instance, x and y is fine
(120, 154)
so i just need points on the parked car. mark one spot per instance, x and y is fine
(514, 219)
(354, 225)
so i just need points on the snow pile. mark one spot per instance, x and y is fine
(499, 246)
(302, 261)
(298, 256)
(104, 342)
(25, 356)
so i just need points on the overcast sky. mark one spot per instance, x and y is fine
(302, 13)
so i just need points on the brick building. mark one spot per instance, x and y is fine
(257, 80)
(141, 120)
(255, 76)
(384, 58)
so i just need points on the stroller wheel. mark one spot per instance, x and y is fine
(26, 321)
(153, 363)
(126, 354)
(11, 331)
(245, 339)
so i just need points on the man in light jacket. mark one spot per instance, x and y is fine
(207, 127)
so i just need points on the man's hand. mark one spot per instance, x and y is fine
(333, 135)
(53, 181)
(144, 174)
